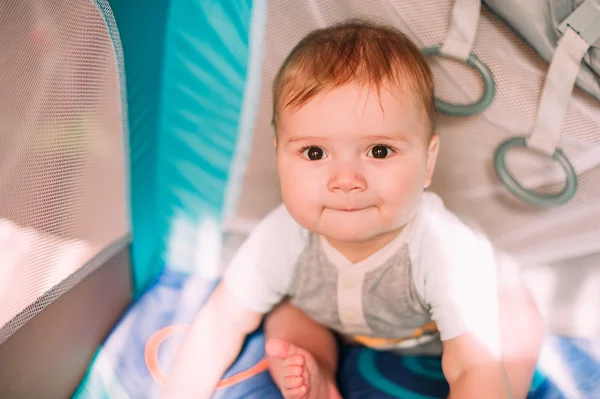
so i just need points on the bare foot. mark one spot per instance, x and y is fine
(301, 377)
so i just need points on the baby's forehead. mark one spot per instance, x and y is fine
(356, 107)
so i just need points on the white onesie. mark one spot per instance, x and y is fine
(435, 281)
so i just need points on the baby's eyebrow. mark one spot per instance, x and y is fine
(374, 137)
(394, 137)
(294, 139)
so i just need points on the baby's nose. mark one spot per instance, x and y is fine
(347, 181)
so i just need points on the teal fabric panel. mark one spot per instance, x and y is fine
(100, 381)
(536, 21)
(142, 28)
(204, 82)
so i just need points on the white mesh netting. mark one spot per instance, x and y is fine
(464, 176)
(62, 167)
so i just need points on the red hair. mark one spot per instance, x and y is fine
(353, 52)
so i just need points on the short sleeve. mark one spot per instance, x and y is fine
(260, 272)
(458, 273)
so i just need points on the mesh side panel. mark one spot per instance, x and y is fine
(62, 179)
(464, 176)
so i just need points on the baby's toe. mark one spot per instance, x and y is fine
(293, 382)
(294, 360)
(291, 371)
(295, 393)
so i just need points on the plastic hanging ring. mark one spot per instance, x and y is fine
(489, 87)
(539, 200)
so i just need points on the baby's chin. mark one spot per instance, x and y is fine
(347, 236)
(349, 229)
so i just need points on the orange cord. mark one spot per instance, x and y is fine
(151, 357)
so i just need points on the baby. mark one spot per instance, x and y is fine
(359, 248)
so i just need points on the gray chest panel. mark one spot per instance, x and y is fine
(391, 305)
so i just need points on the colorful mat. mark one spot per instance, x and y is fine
(137, 353)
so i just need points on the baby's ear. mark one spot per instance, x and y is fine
(432, 153)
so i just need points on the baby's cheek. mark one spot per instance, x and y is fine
(294, 181)
(297, 189)
(300, 205)
(401, 196)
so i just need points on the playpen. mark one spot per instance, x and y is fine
(135, 157)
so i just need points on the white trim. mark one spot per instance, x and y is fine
(462, 30)
(370, 263)
(350, 302)
(556, 94)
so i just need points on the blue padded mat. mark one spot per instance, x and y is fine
(139, 350)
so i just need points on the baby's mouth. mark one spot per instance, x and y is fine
(350, 209)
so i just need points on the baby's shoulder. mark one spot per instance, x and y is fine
(434, 220)
(278, 232)
(438, 230)
(261, 270)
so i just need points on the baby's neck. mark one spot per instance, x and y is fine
(358, 251)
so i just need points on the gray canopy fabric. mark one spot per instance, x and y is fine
(537, 21)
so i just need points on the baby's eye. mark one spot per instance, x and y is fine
(380, 151)
(314, 153)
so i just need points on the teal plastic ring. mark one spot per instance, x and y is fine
(489, 87)
(539, 200)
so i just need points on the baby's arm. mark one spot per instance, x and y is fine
(457, 270)
(472, 370)
(464, 303)
(211, 346)
(256, 280)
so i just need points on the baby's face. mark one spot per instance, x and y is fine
(353, 163)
